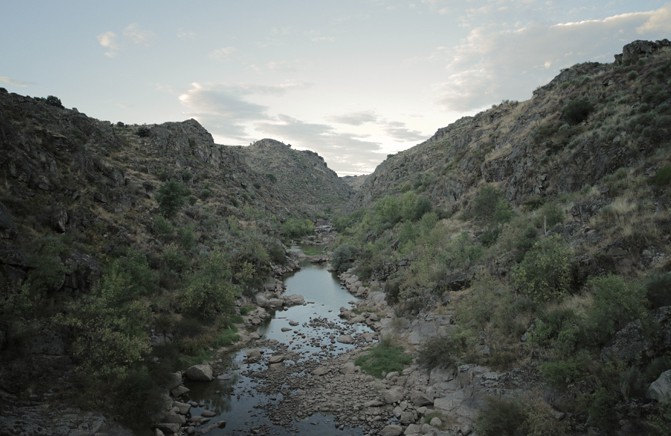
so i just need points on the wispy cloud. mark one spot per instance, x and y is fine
(131, 34)
(109, 41)
(137, 35)
(659, 21)
(355, 118)
(14, 82)
(491, 65)
(222, 53)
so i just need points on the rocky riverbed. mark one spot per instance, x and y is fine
(294, 388)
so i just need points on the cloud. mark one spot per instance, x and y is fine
(109, 42)
(494, 64)
(345, 153)
(14, 82)
(136, 35)
(222, 53)
(659, 21)
(131, 34)
(355, 118)
(398, 131)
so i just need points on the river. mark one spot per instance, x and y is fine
(312, 331)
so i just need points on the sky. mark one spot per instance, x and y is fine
(353, 80)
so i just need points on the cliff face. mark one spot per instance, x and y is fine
(588, 122)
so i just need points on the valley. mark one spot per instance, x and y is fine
(509, 275)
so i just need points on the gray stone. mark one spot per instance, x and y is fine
(202, 373)
(413, 429)
(393, 395)
(435, 422)
(168, 427)
(419, 399)
(179, 391)
(253, 355)
(182, 408)
(660, 389)
(277, 358)
(391, 430)
(345, 339)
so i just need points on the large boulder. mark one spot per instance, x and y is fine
(660, 389)
(201, 372)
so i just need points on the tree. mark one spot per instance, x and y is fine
(54, 101)
(171, 197)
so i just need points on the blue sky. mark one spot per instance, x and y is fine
(352, 80)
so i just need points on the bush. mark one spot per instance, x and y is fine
(545, 271)
(616, 302)
(143, 132)
(663, 177)
(54, 101)
(295, 228)
(383, 359)
(490, 207)
(658, 290)
(502, 417)
(343, 257)
(171, 197)
(210, 291)
(577, 111)
(442, 351)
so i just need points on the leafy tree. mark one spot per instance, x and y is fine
(171, 197)
(210, 291)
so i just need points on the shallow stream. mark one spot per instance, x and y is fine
(300, 333)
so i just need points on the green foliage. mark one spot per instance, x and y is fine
(143, 132)
(502, 417)
(567, 369)
(54, 101)
(171, 196)
(383, 359)
(48, 269)
(162, 228)
(545, 271)
(343, 257)
(294, 228)
(209, 292)
(490, 206)
(616, 302)
(662, 178)
(658, 289)
(577, 111)
(442, 351)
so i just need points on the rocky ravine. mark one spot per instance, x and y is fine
(414, 402)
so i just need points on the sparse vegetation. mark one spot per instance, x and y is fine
(383, 358)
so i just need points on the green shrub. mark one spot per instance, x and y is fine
(171, 196)
(442, 351)
(616, 302)
(162, 228)
(545, 271)
(658, 290)
(490, 206)
(143, 132)
(294, 228)
(383, 359)
(502, 417)
(209, 292)
(663, 177)
(577, 111)
(567, 369)
(54, 101)
(343, 257)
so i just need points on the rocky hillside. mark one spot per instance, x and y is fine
(125, 249)
(588, 122)
(302, 176)
(538, 233)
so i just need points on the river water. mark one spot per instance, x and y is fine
(305, 332)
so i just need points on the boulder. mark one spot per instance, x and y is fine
(345, 339)
(660, 389)
(391, 430)
(277, 358)
(179, 391)
(393, 395)
(253, 355)
(419, 399)
(202, 373)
